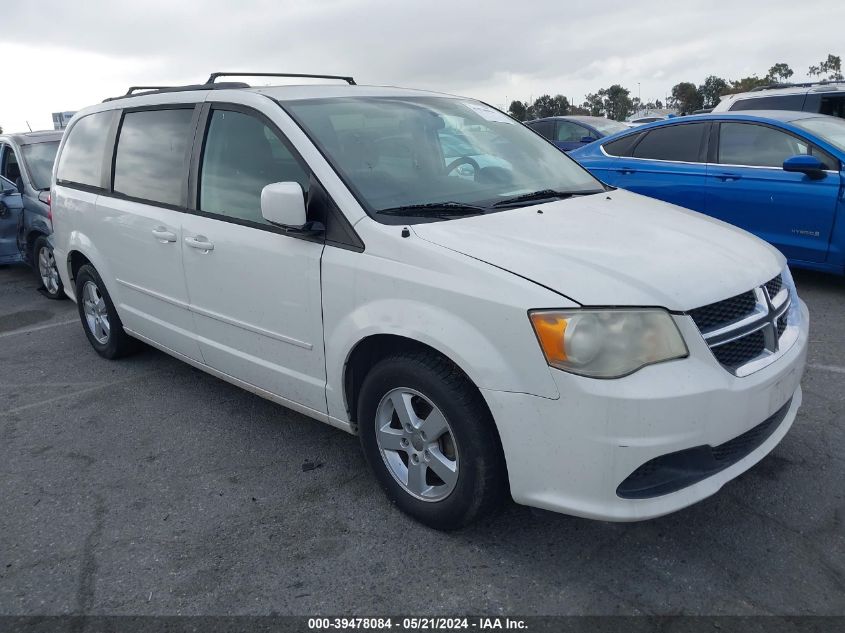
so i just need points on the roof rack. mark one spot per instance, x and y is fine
(213, 84)
(809, 84)
(348, 80)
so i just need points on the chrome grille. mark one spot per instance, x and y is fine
(744, 332)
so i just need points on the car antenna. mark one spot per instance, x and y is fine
(29, 126)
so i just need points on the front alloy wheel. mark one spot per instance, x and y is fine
(48, 271)
(417, 444)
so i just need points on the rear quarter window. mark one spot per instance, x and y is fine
(622, 146)
(781, 102)
(676, 143)
(81, 161)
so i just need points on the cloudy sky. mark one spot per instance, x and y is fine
(61, 55)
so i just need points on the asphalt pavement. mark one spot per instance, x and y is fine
(144, 486)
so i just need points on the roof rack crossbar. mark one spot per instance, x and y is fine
(348, 80)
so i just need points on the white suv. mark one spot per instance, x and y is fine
(510, 326)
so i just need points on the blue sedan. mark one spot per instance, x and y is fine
(571, 132)
(776, 174)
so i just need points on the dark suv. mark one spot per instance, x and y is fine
(26, 166)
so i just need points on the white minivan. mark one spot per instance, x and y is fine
(498, 322)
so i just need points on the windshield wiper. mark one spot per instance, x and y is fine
(436, 209)
(543, 194)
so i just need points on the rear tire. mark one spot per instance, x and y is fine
(100, 321)
(430, 440)
(46, 269)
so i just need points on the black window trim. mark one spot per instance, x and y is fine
(713, 157)
(108, 148)
(201, 130)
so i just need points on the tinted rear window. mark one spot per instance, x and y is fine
(781, 102)
(545, 128)
(151, 149)
(82, 156)
(679, 143)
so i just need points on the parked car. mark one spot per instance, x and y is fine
(529, 330)
(819, 98)
(572, 132)
(26, 161)
(775, 174)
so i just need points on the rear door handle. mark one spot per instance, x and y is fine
(163, 235)
(728, 177)
(625, 171)
(200, 242)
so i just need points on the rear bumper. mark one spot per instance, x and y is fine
(572, 454)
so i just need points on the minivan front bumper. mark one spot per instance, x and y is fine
(698, 422)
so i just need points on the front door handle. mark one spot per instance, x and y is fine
(625, 171)
(728, 177)
(163, 235)
(200, 242)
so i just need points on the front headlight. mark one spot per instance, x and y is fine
(607, 343)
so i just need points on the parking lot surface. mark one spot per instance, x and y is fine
(144, 486)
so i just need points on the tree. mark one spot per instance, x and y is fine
(616, 102)
(658, 105)
(594, 105)
(518, 110)
(748, 83)
(579, 110)
(546, 105)
(686, 98)
(832, 67)
(711, 91)
(780, 73)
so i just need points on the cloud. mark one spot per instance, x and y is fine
(493, 50)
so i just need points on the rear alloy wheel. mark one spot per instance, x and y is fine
(45, 266)
(430, 440)
(100, 321)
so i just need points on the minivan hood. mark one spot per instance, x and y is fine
(615, 249)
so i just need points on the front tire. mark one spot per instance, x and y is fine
(46, 269)
(430, 440)
(100, 321)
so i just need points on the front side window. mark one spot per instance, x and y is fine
(39, 158)
(829, 130)
(81, 161)
(242, 155)
(151, 151)
(757, 145)
(11, 169)
(397, 153)
(677, 143)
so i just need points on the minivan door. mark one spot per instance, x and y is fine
(11, 208)
(138, 226)
(254, 290)
(748, 187)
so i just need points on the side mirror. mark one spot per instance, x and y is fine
(588, 139)
(283, 204)
(804, 164)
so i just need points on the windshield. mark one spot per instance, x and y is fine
(609, 127)
(39, 159)
(828, 129)
(404, 152)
